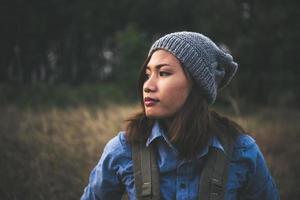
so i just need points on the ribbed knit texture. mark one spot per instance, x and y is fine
(211, 67)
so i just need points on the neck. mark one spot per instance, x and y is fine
(166, 125)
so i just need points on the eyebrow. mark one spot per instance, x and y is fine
(159, 66)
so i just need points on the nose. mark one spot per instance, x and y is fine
(150, 85)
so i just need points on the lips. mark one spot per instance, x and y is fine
(150, 101)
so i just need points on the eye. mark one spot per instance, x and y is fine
(147, 76)
(163, 73)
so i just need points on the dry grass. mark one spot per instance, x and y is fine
(49, 154)
(277, 133)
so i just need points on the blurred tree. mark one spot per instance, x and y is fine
(267, 50)
(68, 41)
(131, 47)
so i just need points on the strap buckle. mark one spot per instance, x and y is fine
(216, 187)
(146, 189)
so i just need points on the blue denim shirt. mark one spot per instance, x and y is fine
(179, 179)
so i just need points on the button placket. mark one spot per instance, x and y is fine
(182, 185)
(182, 181)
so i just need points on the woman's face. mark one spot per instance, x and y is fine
(166, 87)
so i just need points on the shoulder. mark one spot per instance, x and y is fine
(244, 141)
(119, 141)
(245, 147)
(107, 176)
(250, 171)
(247, 151)
(117, 148)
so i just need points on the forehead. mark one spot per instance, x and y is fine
(163, 57)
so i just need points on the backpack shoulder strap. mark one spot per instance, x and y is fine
(145, 172)
(215, 172)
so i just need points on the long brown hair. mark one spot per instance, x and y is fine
(190, 129)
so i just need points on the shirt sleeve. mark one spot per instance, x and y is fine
(260, 184)
(104, 182)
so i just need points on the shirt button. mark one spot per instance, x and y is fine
(182, 185)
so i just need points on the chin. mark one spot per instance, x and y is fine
(151, 116)
(156, 115)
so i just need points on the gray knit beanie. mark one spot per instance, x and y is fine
(211, 67)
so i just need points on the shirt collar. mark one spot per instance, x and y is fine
(158, 132)
(215, 142)
(155, 133)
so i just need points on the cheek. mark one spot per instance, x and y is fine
(176, 95)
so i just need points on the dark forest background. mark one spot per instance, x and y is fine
(76, 42)
(68, 72)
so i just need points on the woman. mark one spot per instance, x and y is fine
(180, 78)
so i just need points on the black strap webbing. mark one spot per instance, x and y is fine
(146, 175)
(215, 172)
(213, 177)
